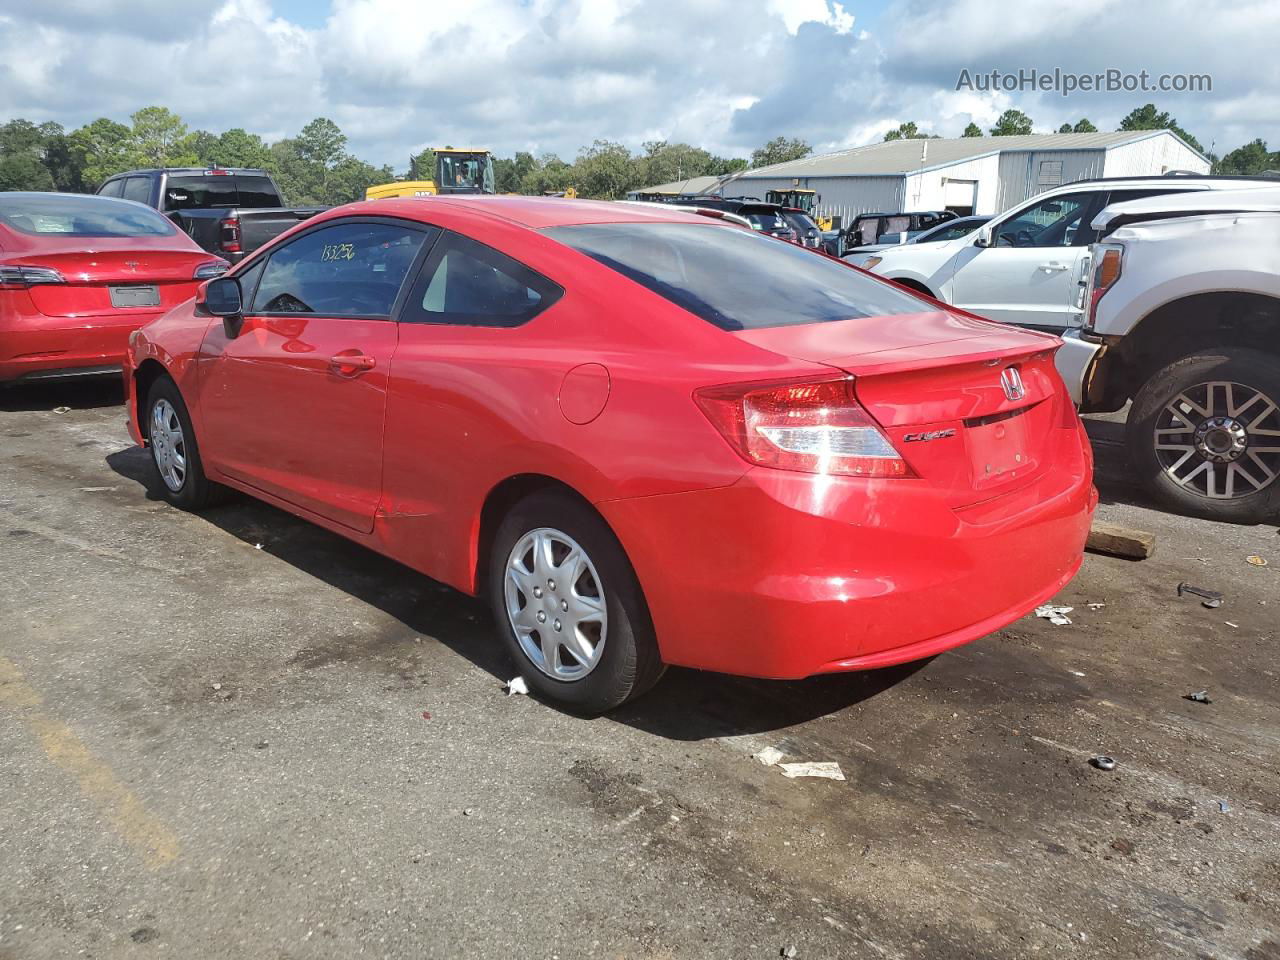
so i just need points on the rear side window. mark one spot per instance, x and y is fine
(71, 215)
(186, 193)
(256, 192)
(137, 188)
(735, 279)
(468, 284)
(112, 188)
(350, 269)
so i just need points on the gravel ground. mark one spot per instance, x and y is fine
(237, 735)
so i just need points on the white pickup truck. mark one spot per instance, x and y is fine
(1182, 316)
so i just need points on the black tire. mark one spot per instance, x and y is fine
(1243, 368)
(196, 491)
(629, 663)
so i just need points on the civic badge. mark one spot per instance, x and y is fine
(1011, 380)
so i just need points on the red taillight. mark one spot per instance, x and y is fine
(814, 426)
(19, 278)
(231, 235)
(1106, 271)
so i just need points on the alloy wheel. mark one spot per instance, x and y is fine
(556, 604)
(1219, 439)
(168, 445)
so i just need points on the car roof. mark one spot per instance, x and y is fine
(535, 213)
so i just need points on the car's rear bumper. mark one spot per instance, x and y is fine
(1074, 359)
(36, 346)
(787, 575)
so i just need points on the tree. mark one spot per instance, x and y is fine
(1012, 123)
(1146, 117)
(106, 148)
(1084, 126)
(236, 148)
(666, 162)
(509, 172)
(61, 158)
(780, 150)
(422, 166)
(972, 130)
(1249, 160)
(723, 166)
(550, 174)
(22, 157)
(905, 131)
(159, 138)
(605, 171)
(321, 143)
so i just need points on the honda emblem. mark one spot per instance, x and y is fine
(1011, 380)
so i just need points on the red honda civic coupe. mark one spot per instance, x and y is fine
(78, 274)
(648, 439)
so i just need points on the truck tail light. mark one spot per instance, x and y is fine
(230, 240)
(1108, 264)
(19, 278)
(812, 426)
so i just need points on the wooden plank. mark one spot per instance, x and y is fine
(1117, 541)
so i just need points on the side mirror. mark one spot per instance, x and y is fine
(221, 297)
(984, 237)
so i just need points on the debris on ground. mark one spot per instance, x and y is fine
(1222, 806)
(1102, 762)
(1208, 598)
(1117, 541)
(1055, 615)
(426, 714)
(61, 409)
(1256, 560)
(516, 685)
(1200, 696)
(769, 756)
(1095, 605)
(469, 812)
(261, 745)
(788, 951)
(1230, 624)
(824, 769)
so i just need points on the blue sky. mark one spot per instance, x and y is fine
(554, 75)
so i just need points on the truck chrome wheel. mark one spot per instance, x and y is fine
(1219, 439)
(168, 445)
(555, 604)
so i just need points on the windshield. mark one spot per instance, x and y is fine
(735, 279)
(799, 221)
(765, 221)
(466, 172)
(81, 216)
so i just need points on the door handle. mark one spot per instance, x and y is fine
(349, 363)
(1053, 267)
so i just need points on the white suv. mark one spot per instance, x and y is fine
(1029, 265)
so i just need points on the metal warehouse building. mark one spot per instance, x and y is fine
(969, 175)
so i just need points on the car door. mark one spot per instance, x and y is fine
(473, 347)
(293, 394)
(1030, 272)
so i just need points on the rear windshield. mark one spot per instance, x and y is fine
(81, 216)
(735, 279)
(219, 190)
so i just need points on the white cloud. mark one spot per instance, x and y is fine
(553, 75)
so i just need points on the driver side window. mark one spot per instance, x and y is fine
(352, 269)
(1055, 222)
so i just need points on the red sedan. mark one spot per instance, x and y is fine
(649, 440)
(78, 274)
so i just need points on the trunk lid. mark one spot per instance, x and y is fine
(974, 407)
(91, 274)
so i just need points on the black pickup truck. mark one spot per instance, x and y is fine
(230, 211)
